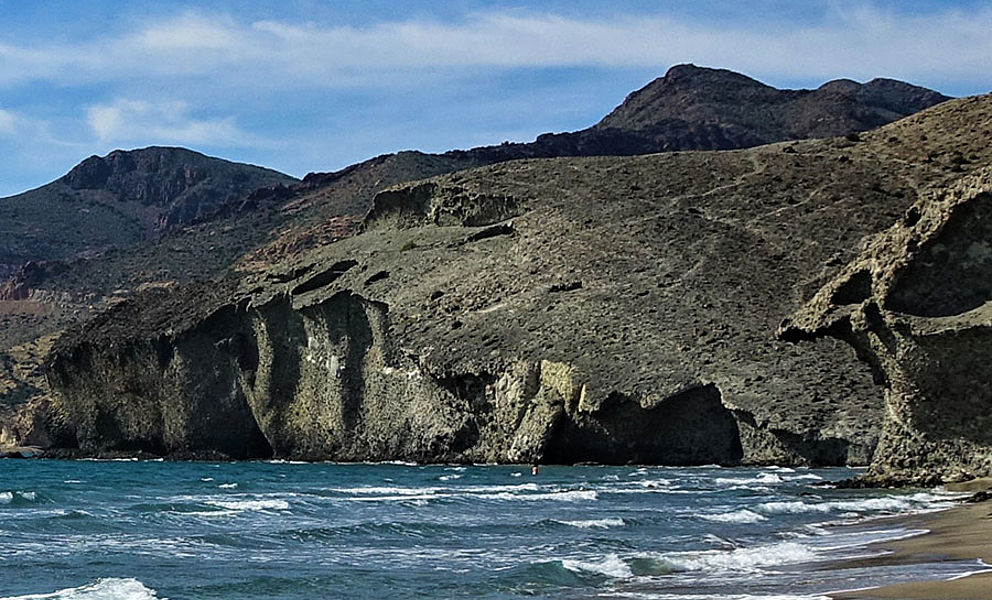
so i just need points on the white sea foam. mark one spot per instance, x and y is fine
(610, 565)
(762, 478)
(213, 514)
(562, 496)
(739, 559)
(8, 497)
(434, 490)
(387, 490)
(250, 504)
(655, 483)
(738, 516)
(228, 486)
(595, 523)
(101, 589)
(662, 596)
(888, 504)
(449, 477)
(419, 500)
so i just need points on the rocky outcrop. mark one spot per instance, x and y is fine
(707, 109)
(917, 306)
(700, 108)
(121, 199)
(179, 186)
(610, 310)
(605, 309)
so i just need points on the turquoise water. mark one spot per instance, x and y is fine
(135, 530)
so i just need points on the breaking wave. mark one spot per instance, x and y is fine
(101, 589)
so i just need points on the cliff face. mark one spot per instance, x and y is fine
(603, 309)
(616, 310)
(916, 306)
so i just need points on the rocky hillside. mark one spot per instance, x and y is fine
(699, 108)
(120, 199)
(173, 218)
(712, 109)
(689, 108)
(607, 309)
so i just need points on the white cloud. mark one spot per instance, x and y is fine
(8, 122)
(126, 121)
(862, 42)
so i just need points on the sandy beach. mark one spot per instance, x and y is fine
(961, 533)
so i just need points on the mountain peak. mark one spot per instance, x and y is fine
(99, 172)
(705, 108)
(689, 73)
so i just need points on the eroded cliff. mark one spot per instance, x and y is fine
(916, 306)
(600, 309)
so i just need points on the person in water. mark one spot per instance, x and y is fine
(534, 469)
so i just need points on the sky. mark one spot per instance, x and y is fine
(308, 85)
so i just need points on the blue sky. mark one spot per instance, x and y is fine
(314, 86)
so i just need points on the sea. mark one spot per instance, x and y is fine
(141, 530)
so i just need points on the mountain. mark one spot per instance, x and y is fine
(611, 309)
(698, 108)
(713, 109)
(689, 108)
(160, 218)
(121, 199)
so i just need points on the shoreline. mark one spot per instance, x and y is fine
(959, 533)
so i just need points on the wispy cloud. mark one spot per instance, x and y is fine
(8, 122)
(332, 93)
(125, 121)
(864, 41)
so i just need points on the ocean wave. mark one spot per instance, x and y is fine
(739, 559)
(661, 596)
(18, 498)
(610, 565)
(244, 505)
(738, 516)
(594, 523)
(761, 478)
(101, 589)
(742, 560)
(387, 490)
(228, 486)
(561, 496)
(887, 504)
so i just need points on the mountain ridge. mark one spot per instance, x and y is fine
(120, 199)
(281, 219)
(608, 309)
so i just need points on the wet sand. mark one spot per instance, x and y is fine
(961, 533)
